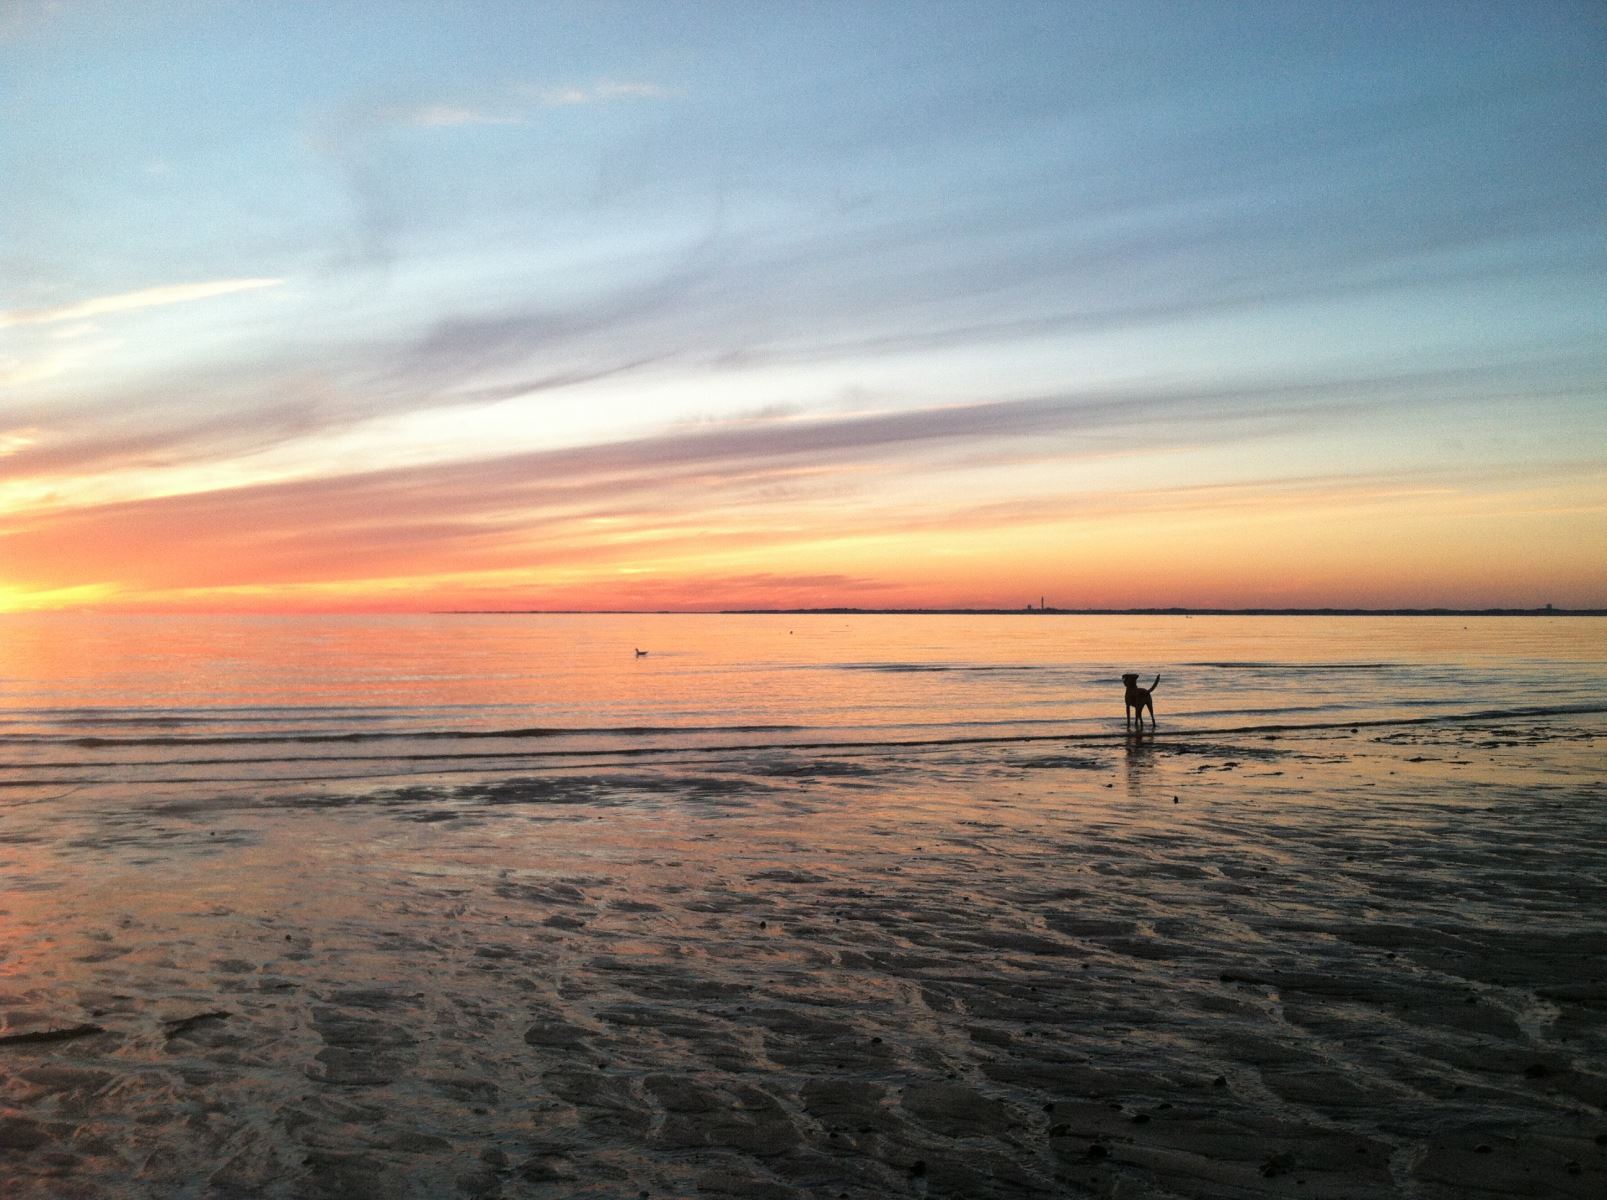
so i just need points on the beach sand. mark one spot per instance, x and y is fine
(1332, 963)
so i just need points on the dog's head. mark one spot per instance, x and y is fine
(1130, 680)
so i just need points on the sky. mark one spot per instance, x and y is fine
(410, 306)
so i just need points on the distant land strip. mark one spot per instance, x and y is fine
(1033, 611)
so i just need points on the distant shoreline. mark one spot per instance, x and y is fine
(1030, 612)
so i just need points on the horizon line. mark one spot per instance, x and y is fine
(1542, 611)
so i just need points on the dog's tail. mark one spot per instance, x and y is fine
(1157, 680)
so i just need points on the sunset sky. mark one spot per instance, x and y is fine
(399, 305)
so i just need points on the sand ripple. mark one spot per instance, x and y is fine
(1328, 965)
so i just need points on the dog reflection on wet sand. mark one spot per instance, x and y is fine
(1137, 699)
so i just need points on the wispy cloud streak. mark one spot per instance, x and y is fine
(517, 109)
(756, 488)
(446, 116)
(152, 297)
(601, 92)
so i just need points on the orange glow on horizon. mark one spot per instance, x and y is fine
(1409, 552)
(781, 517)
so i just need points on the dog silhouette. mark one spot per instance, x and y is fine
(1137, 699)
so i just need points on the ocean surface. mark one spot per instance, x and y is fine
(90, 699)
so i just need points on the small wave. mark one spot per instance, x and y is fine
(232, 718)
(1441, 718)
(261, 739)
(1297, 667)
(1280, 710)
(898, 668)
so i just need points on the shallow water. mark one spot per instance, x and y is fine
(230, 699)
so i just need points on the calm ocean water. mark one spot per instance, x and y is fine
(146, 699)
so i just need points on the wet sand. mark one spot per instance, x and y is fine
(1325, 964)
